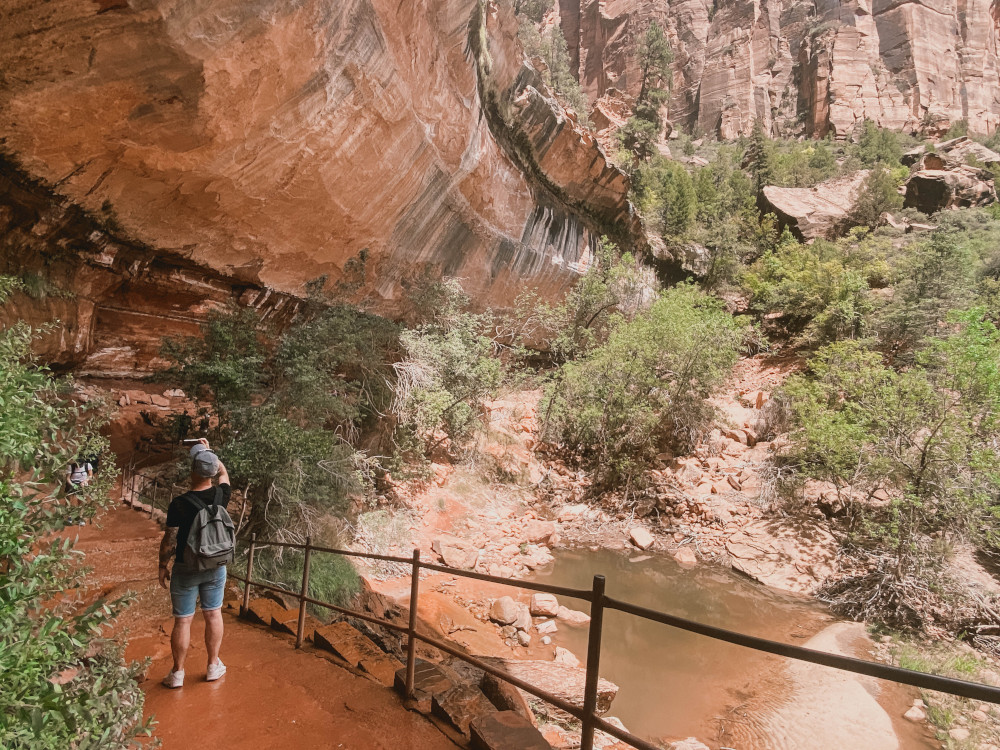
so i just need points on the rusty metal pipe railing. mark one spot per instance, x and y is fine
(587, 715)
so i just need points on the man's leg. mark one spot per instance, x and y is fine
(213, 634)
(180, 639)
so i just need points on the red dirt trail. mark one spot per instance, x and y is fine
(272, 695)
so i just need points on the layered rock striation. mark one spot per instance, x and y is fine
(344, 143)
(814, 66)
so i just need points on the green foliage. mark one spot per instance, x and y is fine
(229, 358)
(558, 74)
(533, 10)
(758, 158)
(62, 684)
(878, 145)
(821, 290)
(679, 200)
(447, 370)
(656, 80)
(9, 285)
(925, 435)
(645, 386)
(332, 578)
(614, 287)
(334, 370)
(878, 195)
(287, 414)
(932, 278)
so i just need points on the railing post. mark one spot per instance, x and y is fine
(246, 588)
(593, 664)
(411, 632)
(300, 630)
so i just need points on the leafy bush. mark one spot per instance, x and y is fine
(447, 370)
(62, 683)
(645, 386)
(822, 290)
(287, 415)
(878, 195)
(926, 436)
(878, 146)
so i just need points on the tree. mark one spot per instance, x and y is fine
(679, 201)
(447, 370)
(758, 157)
(878, 145)
(655, 58)
(877, 196)
(533, 10)
(926, 436)
(655, 81)
(62, 682)
(645, 386)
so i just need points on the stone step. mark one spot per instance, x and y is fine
(460, 705)
(505, 730)
(357, 650)
(263, 610)
(561, 680)
(428, 680)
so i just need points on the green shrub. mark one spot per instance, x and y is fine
(45, 631)
(645, 386)
(877, 195)
(449, 367)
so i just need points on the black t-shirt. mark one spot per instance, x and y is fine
(181, 513)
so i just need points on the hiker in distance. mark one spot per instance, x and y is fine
(199, 538)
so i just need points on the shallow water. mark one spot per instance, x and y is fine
(673, 683)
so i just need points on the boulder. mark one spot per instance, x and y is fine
(685, 556)
(504, 611)
(641, 537)
(456, 553)
(523, 621)
(932, 190)
(546, 627)
(572, 512)
(819, 211)
(536, 532)
(505, 696)
(572, 616)
(544, 605)
(523, 638)
(561, 680)
(915, 714)
(565, 656)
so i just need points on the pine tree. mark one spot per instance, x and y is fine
(758, 157)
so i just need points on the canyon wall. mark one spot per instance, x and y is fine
(340, 142)
(816, 67)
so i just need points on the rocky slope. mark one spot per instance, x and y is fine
(274, 143)
(816, 66)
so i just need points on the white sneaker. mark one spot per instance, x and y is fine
(215, 671)
(174, 679)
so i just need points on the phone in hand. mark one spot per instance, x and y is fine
(190, 441)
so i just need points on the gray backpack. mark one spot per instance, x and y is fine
(212, 539)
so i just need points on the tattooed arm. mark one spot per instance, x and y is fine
(168, 548)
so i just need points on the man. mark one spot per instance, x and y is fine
(185, 586)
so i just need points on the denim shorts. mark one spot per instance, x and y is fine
(186, 587)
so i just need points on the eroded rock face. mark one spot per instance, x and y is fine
(276, 143)
(918, 65)
(932, 190)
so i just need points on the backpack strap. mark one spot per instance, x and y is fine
(195, 500)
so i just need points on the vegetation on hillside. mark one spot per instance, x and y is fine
(62, 683)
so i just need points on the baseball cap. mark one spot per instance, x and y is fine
(204, 463)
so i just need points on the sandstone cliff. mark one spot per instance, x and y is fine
(275, 143)
(812, 66)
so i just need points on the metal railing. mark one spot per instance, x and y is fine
(599, 601)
